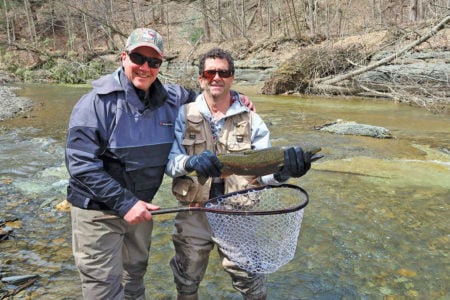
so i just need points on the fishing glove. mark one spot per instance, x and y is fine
(206, 164)
(296, 164)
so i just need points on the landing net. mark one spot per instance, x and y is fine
(262, 234)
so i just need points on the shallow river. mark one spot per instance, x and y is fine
(376, 226)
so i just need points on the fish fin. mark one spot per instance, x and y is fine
(316, 156)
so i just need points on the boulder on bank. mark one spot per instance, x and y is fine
(353, 128)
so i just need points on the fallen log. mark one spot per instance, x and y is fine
(386, 60)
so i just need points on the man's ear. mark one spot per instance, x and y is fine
(201, 82)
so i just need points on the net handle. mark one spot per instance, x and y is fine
(202, 206)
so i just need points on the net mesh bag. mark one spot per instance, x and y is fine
(262, 236)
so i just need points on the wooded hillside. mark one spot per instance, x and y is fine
(91, 25)
(62, 41)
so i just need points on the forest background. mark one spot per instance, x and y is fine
(397, 49)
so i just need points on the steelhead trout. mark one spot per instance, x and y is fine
(257, 162)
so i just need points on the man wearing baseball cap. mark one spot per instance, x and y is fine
(118, 142)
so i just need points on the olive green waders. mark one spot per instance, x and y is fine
(111, 256)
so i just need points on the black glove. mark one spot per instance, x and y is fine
(296, 164)
(206, 164)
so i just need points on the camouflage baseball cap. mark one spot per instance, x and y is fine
(145, 37)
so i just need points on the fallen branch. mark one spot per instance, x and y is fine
(386, 60)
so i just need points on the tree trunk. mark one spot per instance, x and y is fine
(293, 18)
(269, 19)
(161, 11)
(260, 10)
(68, 27)
(5, 8)
(86, 29)
(133, 15)
(243, 18)
(311, 15)
(219, 18)
(30, 20)
(413, 10)
(167, 22)
(206, 29)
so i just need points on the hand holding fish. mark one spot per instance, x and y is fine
(296, 163)
(206, 164)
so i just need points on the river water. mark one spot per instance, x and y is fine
(376, 226)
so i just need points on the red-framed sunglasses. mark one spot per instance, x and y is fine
(210, 74)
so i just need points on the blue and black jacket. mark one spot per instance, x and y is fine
(117, 148)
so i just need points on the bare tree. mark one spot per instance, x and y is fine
(205, 13)
(8, 31)
(133, 15)
(311, 8)
(260, 10)
(86, 28)
(219, 18)
(375, 12)
(413, 12)
(269, 18)
(167, 22)
(243, 27)
(161, 10)
(293, 18)
(30, 20)
(71, 35)
(108, 14)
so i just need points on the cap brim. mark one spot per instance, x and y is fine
(145, 45)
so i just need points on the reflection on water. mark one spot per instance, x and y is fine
(376, 226)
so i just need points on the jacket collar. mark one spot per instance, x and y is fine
(118, 82)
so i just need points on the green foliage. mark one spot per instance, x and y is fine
(195, 34)
(75, 72)
(192, 31)
(49, 64)
(10, 61)
(60, 71)
(25, 74)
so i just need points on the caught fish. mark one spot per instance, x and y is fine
(257, 162)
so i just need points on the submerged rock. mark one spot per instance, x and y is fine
(63, 206)
(5, 233)
(353, 128)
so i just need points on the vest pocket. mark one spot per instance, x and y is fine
(240, 139)
(194, 146)
(188, 190)
(185, 189)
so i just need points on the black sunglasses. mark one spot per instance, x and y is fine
(210, 74)
(139, 59)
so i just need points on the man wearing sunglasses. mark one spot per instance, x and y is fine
(118, 142)
(217, 122)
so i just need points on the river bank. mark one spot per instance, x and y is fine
(417, 77)
(12, 105)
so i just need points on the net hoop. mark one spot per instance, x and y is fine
(217, 203)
